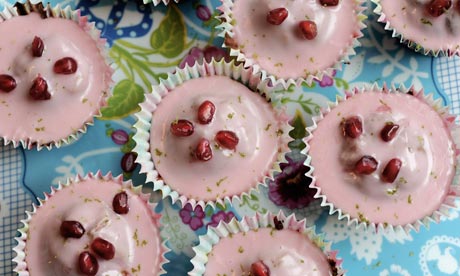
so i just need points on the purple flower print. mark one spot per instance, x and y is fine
(197, 54)
(194, 218)
(203, 12)
(221, 216)
(327, 81)
(290, 187)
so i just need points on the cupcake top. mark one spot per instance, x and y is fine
(212, 137)
(304, 37)
(264, 245)
(53, 78)
(431, 24)
(376, 160)
(94, 227)
(266, 252)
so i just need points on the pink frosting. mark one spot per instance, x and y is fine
(408, 17)
(284, 252)
(281, 50)
(229, 172)
(423, 144)
(135, 235)
(75, 98)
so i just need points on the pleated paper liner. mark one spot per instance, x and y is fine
(452, 191)
(26, 232)
(47, 11)
(420, 46)
(279, 222)
(146, 118)
(227, 26)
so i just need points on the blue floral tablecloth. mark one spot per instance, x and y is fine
(146, 43)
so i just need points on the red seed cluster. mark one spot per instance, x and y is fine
(205, 114)
(39, 87)
(260, 269)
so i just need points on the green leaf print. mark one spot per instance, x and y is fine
(169, 38)
(299, 131)
(125, 100)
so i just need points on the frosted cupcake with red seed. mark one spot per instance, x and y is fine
(377, 163)
(208, 134)
(264, 245)
(292, 41)
(431, 27)
(93, 225)
(54, 77)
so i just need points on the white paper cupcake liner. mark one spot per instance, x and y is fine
(453, 192)
(258, 221)
(417, 47)
(21, 265)
(226, 28)
(144, 119)
(89, 27)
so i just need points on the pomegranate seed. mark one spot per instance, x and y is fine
(278, 224)
(277, 16)
(366, 165)
(128, 162)
(329, 3)
(182, 128)
(7, 83)
(71, 229)
(206, 112)
(120, 203)
(308, 29)
(39, 89)
(203, 151)
(389, 131)
(437, 7)
(352, 127)
(37, 47)
(260, 269)
(103, 248)
(391, 170)
(87, 263)
(227, 139)
(65, 66)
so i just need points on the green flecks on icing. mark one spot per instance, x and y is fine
(230, 115)
(208, 189)
(158, 152)
(239, 99)
(402, 180)
(219, 182)
(279, 132)
(84, 100)
(392, 191)
(136, 238)
(38, 129)
(426, 21)
(267, 127)
(362, 218)
(136, 269)
(240, 249)
(409, 199)
(242, 154)
(279, 64)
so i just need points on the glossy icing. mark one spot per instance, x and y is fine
(281, 50)
(75, 98)
(285, 252)
(408, 17)
(423, 145)
(229, 172)
(135, 235)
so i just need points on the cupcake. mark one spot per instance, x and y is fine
(377, 162)
(93, 225)
(431, 27)
(208, 133)
(54, 76)
(292, 41)
(264, 245)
